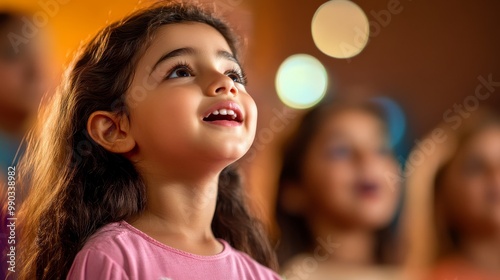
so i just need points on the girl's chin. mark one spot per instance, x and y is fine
(222, 160)
(228, 152)
(375, 220)
(227, 160)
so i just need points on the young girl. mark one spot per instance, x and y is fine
(335, 201)
(454, 200)
(132, 175)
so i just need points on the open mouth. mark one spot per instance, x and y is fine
(224, 115)
(367, 189)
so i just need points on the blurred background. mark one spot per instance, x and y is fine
(419, 58)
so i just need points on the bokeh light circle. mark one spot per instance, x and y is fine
(301, 81)
(340, 29)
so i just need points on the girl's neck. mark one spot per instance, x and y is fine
(482, 251)
(179, 213)
(355, 246)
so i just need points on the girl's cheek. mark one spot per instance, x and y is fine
(10, 76)
(392, 170)
(252, 110)
(339, 179)
(461, 197)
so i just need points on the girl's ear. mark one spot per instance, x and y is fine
(293, 198)
(111, 131)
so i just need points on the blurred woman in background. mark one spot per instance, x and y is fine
(336, 201)
(453, 209)
(22, 83)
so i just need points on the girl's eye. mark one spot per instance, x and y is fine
(237, 77)
(338, 152)
(180, 72)
(8, 54)
(473, 166)
(384, 151)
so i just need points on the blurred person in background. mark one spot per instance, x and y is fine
(22, 84)
(335, 201)
(453, 209)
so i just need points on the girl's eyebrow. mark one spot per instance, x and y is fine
(174, 53)
(227, 55)
(191, 51)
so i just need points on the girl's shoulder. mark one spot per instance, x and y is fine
(104, 254)
(457, 267)
(122, 250)
(109, 236)
(249, 265)
(315, 267)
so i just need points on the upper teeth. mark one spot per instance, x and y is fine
(225, 112)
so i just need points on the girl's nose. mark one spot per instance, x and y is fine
(222, 84)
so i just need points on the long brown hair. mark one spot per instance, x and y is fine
(76, 185)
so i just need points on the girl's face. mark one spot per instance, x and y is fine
(188, 103)
(345, 172)
(471, 184)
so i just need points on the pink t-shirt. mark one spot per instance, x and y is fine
(120, 251)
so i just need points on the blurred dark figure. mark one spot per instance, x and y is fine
(21, 84)
(454, 200)
(336, 202)
(21, 88)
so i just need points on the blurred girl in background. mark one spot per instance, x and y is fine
(23, 79)
(336, 201)
(453, 209)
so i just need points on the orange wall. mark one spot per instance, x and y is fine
(68, 22)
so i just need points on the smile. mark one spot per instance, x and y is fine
(226, 113)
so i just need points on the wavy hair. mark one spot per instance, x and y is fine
(76, 185)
